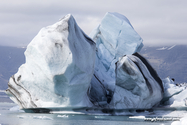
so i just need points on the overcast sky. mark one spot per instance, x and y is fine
(158, 22)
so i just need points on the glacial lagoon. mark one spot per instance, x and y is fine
(11, 115)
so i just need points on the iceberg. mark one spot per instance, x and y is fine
(66, 68)
(174, 94)
(58, 70)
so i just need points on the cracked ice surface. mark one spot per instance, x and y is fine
(58, 69)
(114, 37)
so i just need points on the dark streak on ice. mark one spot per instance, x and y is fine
(151, 70)
(17, 92)
(108, 94)
(19, 77)
(58, 45)
(10, 87)
(127, 70)
(146, 80)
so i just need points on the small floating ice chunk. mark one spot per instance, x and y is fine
(63, 116)
(137, 117)
(42, 117)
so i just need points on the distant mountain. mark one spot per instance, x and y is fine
(168, 61)
(10, 60)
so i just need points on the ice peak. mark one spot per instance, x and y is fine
(66, 17)
(121, 17)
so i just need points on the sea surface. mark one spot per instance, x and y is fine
(10, 114)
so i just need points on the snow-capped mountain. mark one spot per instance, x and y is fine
(168, 61)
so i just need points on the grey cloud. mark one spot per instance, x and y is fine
(157, 22)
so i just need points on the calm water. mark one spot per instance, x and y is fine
(11, 115)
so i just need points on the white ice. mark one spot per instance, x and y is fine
(182, 121)
(175, 95)
(58, 69)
